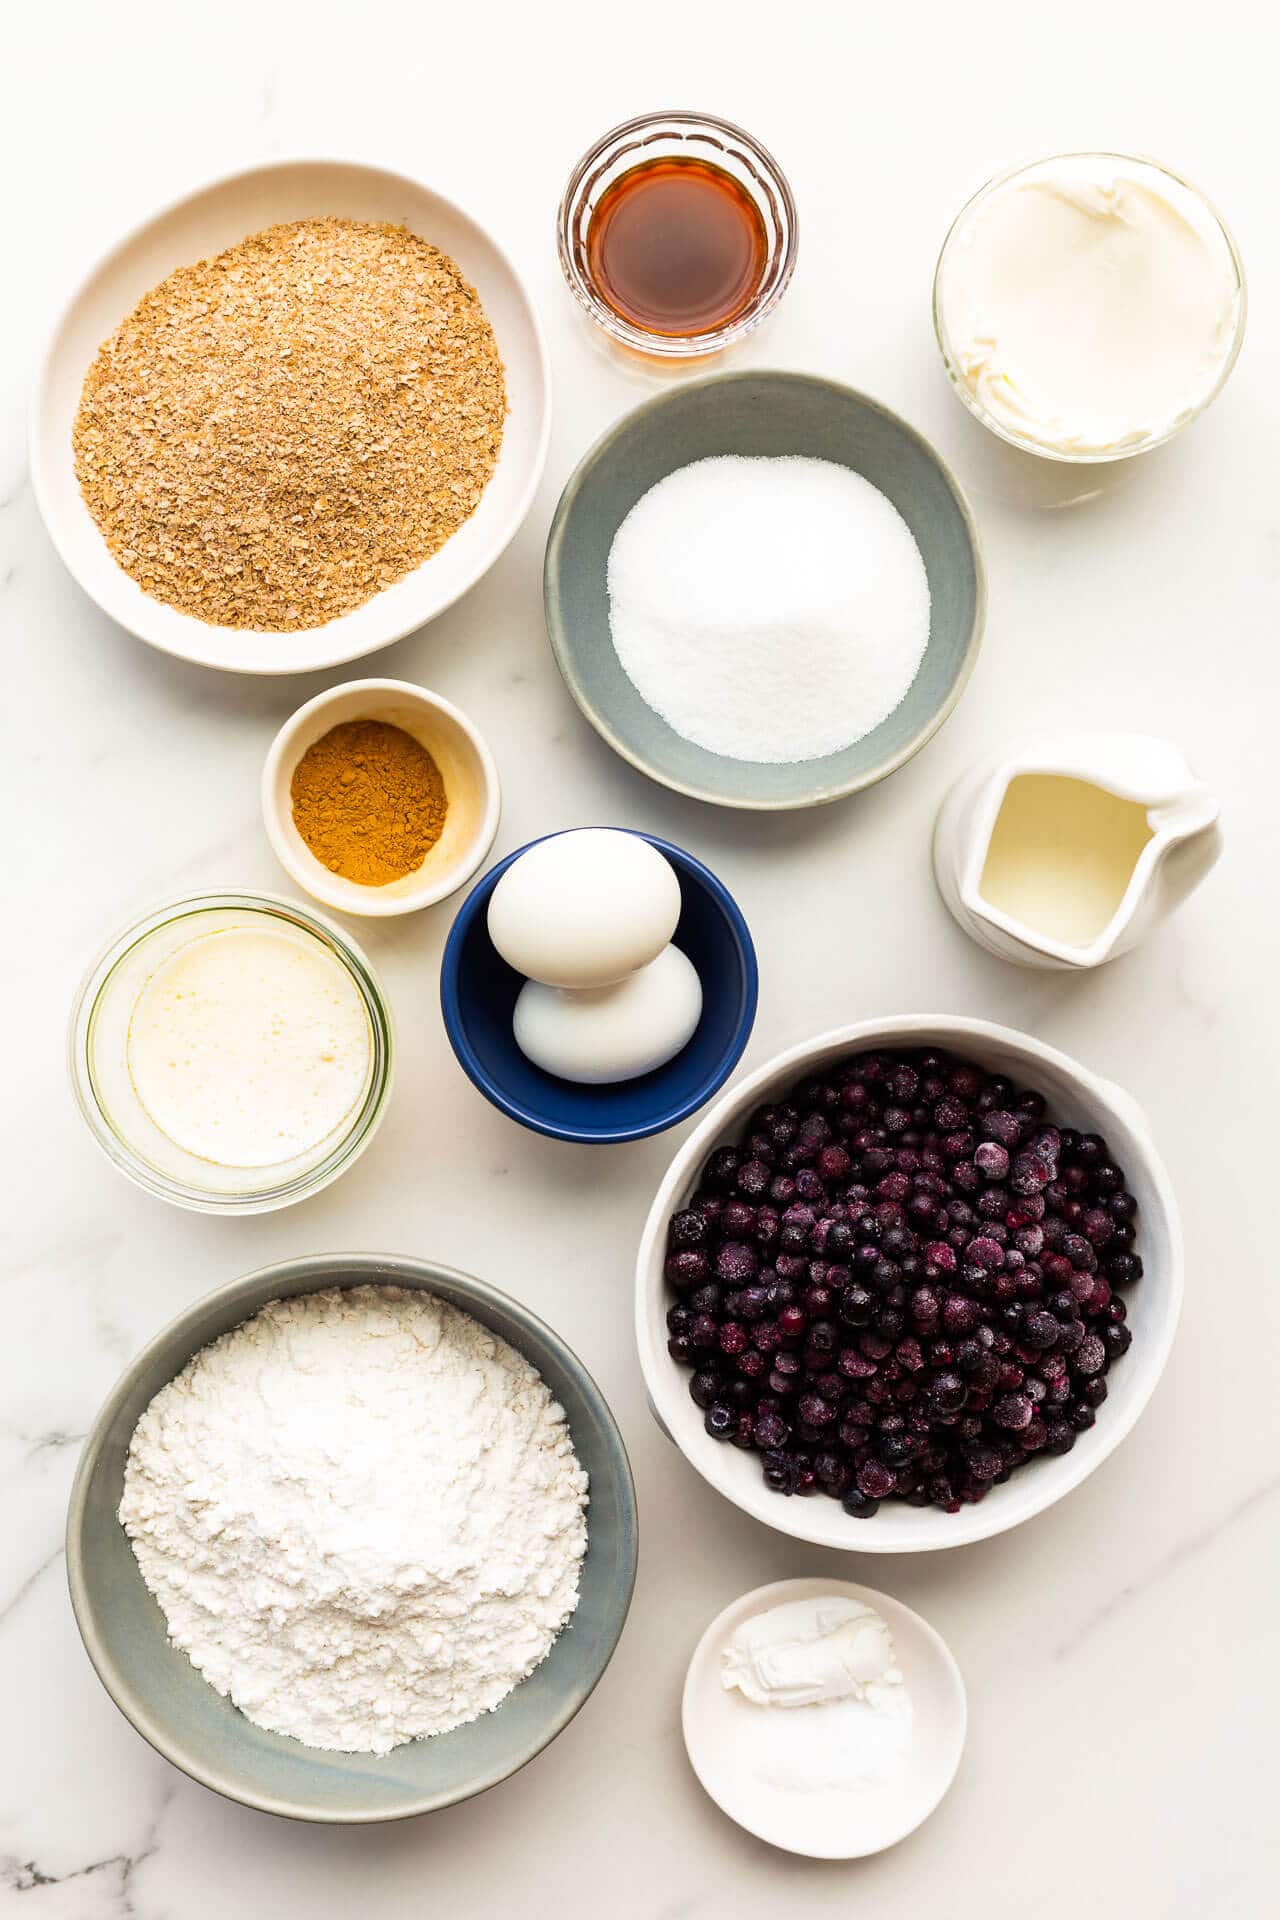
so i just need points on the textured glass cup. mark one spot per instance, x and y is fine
(111, 1108)
(666, 136)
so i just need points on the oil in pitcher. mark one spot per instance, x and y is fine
(1068, 853)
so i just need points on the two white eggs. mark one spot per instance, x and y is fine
(588, 917)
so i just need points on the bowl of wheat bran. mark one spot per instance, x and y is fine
(292, 417)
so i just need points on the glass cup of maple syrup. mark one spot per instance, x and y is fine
(677, 234)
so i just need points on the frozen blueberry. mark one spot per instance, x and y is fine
(901, 1283)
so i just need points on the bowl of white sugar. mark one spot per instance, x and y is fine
(353, 1538)
(764, 590)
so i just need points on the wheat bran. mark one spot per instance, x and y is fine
(273, 436)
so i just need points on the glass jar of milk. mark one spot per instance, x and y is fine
(232, 1052)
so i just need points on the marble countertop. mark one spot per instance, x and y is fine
(1121, 1650)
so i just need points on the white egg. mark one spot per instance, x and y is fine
(597, 1035)
(584, 909)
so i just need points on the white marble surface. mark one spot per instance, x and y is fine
(1121, 1650)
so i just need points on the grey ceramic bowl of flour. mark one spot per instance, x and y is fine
(759, 413)
(156, 1687)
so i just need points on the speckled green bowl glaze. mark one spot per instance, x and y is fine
(759, 413)
(156, 1687)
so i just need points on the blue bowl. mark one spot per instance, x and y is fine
(478, 995)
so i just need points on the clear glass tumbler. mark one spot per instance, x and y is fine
(695, 136)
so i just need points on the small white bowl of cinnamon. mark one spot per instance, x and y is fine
(380, 798)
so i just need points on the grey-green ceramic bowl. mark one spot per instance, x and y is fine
(156, 1687)
(759, 413)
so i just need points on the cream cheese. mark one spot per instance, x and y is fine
(1089, 305)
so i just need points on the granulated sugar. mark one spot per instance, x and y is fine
(769, 609)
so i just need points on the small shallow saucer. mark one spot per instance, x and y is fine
(870, 1815)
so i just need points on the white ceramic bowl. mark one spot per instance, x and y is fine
(1077, 1098)
(470, 783)
(825, 1825)
(204, 223)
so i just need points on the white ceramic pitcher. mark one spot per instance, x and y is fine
(1182, 816)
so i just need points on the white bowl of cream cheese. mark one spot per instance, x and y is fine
(1088, 306)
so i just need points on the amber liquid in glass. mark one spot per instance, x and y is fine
(677, 247)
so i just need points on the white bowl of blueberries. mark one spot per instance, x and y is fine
(908, 1284)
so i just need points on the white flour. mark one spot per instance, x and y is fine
(361, 1514)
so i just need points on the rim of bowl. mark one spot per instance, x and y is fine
(763, 167)
(1023, 442)
(123, 1157)
(310, 875)
(469, 1061)
(340, 654)
(254, 1290)
(975, 1523)
(557, 627)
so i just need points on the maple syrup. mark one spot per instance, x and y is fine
(677, 247)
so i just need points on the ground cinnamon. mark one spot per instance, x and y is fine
(369, 801)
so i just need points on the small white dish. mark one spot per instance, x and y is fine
(471, 788)
(204, 223)
(868, 1816)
